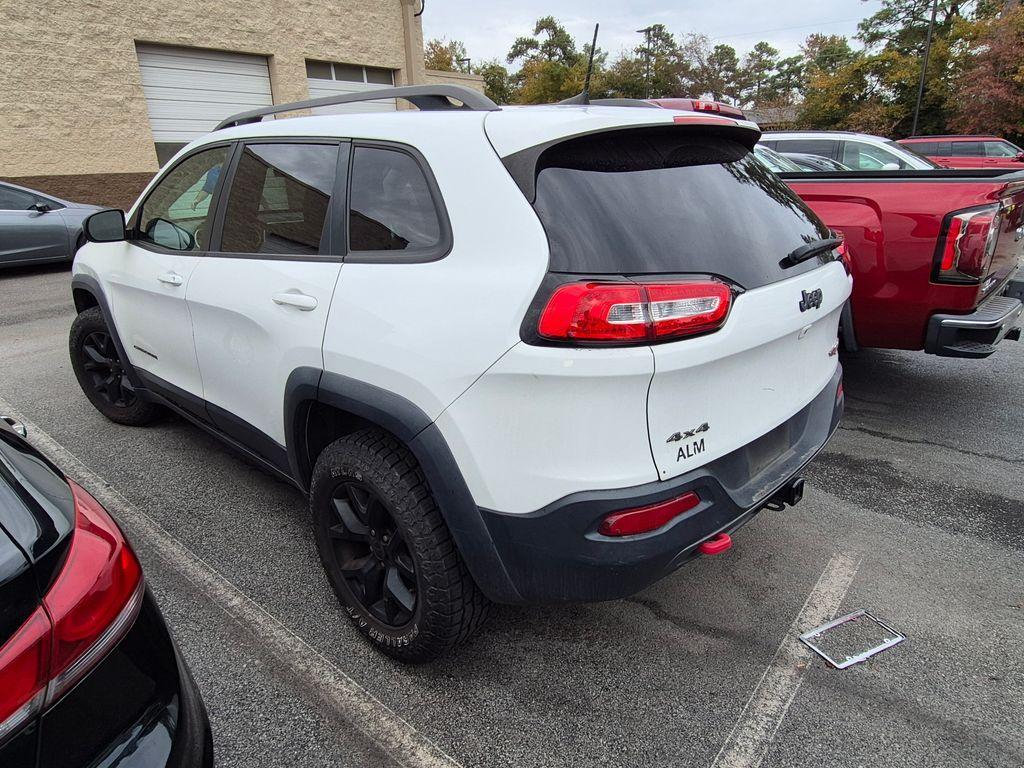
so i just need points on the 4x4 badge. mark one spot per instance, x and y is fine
(810, 299)
(688, 433)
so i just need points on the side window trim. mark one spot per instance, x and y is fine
(446, 241)
(331, 243)
(133, 230)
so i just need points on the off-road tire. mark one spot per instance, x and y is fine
(449, 607)
(130, 409)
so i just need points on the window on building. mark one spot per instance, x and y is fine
(176, 212)
(391, 206)
(349, 73)
(279, 199)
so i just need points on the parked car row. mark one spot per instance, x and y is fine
(510, 355)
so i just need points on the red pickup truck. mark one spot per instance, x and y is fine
(933, 254)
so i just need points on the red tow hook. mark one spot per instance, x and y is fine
(716, 545)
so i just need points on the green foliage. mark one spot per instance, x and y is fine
(498, 83)
(443, 55)
(974, 80)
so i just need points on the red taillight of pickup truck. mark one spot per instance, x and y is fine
(966, 245)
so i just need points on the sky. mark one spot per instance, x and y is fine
(488, 28)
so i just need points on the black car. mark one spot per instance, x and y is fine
(89, 674)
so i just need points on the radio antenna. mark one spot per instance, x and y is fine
(584, 96)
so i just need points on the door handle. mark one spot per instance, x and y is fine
(171, 278)
(295, 299)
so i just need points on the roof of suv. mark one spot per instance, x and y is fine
(822, 134)
(950, 137)
(509, 129)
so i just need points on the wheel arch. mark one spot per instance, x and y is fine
(87, 293)
(321, 407)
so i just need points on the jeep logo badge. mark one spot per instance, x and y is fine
(810, 300)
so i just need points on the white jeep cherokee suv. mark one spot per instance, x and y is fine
(513, 355)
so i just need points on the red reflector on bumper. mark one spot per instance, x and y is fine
(716, 545)
(631, 522)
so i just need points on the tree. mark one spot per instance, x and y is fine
(722, 72)
(556, 46)
(756, 72)
(498, 83)
(553, 68)
(443, 55)
(655, 70)
(989, 92)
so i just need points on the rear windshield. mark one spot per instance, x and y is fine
(666, 201)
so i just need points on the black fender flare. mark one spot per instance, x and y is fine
(406, 421)
(91, 285)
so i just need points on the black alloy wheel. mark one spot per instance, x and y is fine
(107, 375)
(372, 556)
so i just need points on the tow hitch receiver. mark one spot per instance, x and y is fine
(792, 493)
(716, 545)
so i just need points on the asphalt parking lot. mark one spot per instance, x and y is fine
(915, 511)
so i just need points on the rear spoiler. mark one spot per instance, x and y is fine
(522, 165)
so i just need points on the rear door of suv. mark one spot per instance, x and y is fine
(668, 206)
(259, 299)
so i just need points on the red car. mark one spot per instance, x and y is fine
(933, 255)
(968, 151)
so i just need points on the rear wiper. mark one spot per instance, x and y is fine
(810, 250)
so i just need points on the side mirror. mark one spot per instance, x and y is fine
(105, 226)
(39, 207)
(17, 426)
(170, 235)
(891, 167)
(1020, 157)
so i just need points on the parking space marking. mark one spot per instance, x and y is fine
(766, 708)
(311, 669)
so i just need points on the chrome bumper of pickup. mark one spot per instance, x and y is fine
(976, 335)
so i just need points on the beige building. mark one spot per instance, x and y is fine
(96, 94)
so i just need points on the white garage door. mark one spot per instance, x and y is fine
(190, 90)
(329, 79)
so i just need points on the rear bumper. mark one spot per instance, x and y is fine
(556, 554)
(140, 708)
(975, 335)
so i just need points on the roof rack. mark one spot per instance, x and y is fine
(424, 97)
(623, 103)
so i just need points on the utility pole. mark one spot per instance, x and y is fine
(646, 32)
(924, 66)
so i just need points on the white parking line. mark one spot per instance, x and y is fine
(766, 708)
(315, 672)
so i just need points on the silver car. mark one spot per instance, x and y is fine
(37, 228)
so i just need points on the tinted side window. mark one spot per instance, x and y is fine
(868, 157)
(15, 199)
(822, 147)
(279, 198)
(176, 213)
(391, 206)
(999, 149)
(923, 147)
(967, 149)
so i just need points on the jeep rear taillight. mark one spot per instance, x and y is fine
(967, 245)
(594, 312)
